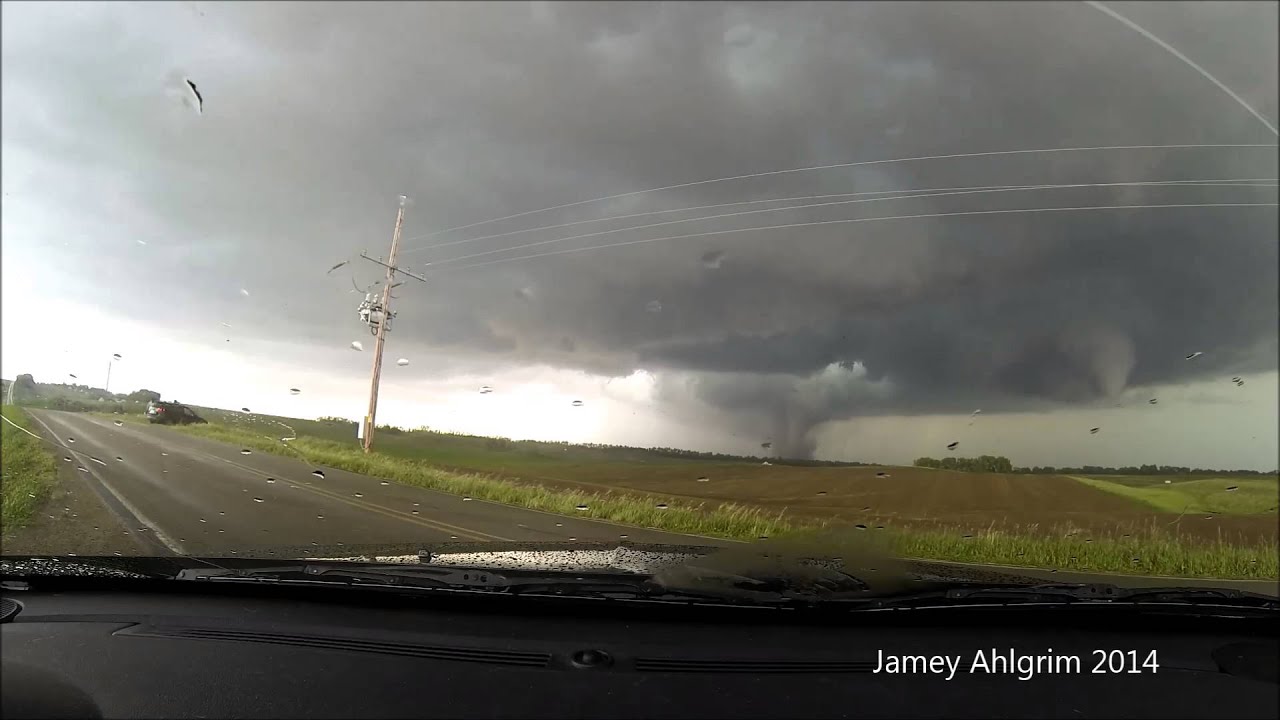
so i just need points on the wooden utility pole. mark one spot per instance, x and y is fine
(370, 418)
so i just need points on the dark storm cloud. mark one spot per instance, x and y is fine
(317, 116)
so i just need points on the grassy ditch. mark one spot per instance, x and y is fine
(27, 470)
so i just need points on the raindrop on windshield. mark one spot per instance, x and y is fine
(466, 498)
(244, 409)
(953, 445)
(203, 520)
(1154, 401)
(402, 362)
(73, 377)
(257, 499)
(1094, 431)
(70, 439)
(415, 512)
(882, 474)
(271, 481)
(860, 526)
(577, 403)
(119, 459)
(384, 482)
(704, 479)
(1194, 355)
(661, 506)
(359, 494)
(116, 356)
(356, 345)
(822, 493)
(318, 473)
(766, 445)
(623, 537)
(485, 389)
(581, 507)
(94, 459)
(653, 306)
(559, 524)
(246, 451)
(67, 458)
(319, 517)
(1233, 488)
(118, 423)
(244, 292)
(294, 391)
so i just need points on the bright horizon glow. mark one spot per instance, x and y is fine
(536, 403)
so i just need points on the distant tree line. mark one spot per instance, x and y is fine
(1001, 464)
(982, 463)
(728, 457)
(75, 397)
(1136, 470)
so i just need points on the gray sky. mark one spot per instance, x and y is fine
(867, 340)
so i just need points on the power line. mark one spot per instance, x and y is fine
(800, 207)
(1174, 51)
(1228, 181)
(498, 261)
(860, 163)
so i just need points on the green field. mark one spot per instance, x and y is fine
(1194, 495)
(749, 502)
(27, 470)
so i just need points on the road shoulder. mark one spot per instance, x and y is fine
(72, 519)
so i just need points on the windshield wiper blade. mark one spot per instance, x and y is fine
(613, 585)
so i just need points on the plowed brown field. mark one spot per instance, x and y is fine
(907, 497)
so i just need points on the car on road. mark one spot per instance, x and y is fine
(172, 413)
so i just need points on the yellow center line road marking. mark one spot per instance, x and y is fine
(363, 505)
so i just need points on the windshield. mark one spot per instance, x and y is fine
(985, 285)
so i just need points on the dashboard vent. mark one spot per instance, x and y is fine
(692, 665)
(436, 652)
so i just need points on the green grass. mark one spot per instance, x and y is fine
(1151, 553)
(27, 471)
(1157, 552)
(1209, 495)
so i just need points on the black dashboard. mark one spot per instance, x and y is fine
(214, 652)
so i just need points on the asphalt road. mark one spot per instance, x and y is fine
(201, 497)
(175, 493)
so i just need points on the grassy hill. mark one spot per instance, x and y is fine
(1228, 496)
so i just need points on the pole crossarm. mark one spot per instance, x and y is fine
(392, 268)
